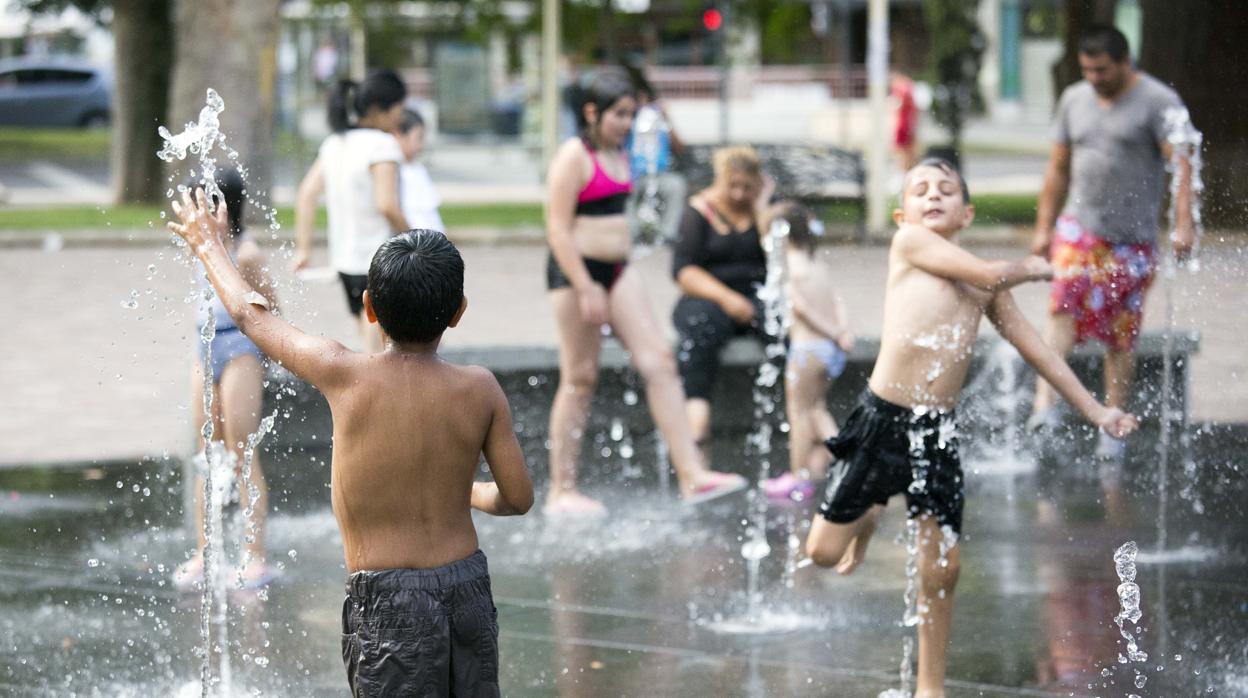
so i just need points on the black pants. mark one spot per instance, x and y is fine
(408, 632)
(704, 329)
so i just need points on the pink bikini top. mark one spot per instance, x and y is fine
(602, 196)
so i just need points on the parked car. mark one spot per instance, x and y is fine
(51, 91)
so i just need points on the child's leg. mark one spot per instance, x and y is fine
(193, 567)
(638, 330)
(810, 424)
(240, 393)
(843, 545)
(580, 344)
(937, 579)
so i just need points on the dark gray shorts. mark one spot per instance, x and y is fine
(421, 632)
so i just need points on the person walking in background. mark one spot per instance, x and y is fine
(658, 197)
(357, 168)
(1098, 217)
(906, 121)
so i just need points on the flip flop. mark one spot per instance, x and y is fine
(788, 487)
(720, 485)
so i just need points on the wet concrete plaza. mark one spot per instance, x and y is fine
(636, 605)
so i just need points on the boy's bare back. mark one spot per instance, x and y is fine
(409, 432)
(409, 428)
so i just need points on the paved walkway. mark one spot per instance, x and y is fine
(85, 378)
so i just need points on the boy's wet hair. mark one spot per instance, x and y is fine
(944, 166)
(233, 192)
(416, 283)
(411, 119)
(801, 233)
(602, 88)
(383, 88)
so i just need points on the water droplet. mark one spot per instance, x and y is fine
(93, 563)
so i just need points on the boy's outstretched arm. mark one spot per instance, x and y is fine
(1009, 321)
(511, 493)
(317, 360)
(934, 254)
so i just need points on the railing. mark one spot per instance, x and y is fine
(703, 82)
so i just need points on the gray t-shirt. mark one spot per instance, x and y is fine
(1117, 172)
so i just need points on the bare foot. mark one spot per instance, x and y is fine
(856, 551)
(931, 693)
(573, 504)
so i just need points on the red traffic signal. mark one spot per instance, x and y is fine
(712, 19)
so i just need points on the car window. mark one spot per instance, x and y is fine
(68, 76)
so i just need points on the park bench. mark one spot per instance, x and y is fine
(818, 176)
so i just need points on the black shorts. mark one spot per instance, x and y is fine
(886, 449)
(603, 273)
(408, 632)
(354, 285)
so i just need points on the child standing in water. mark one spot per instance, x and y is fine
(409, 431)
(819, 340)
(902, 436)
(236, 369)
(416, 193)
(357, 169)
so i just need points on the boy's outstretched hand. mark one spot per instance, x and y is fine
(1038, 268)
(1117, 423)
(199, 226)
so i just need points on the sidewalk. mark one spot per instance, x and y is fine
(86, 379)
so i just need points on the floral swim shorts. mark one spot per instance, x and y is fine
(1100, 284)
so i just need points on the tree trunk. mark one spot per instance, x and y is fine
(1198, 48)
(1077, 16)
(143, 35)
(231, 46)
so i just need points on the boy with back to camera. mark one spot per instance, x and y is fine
(901, 437)
(409, 431)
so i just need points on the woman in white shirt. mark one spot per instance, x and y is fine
(357, 169)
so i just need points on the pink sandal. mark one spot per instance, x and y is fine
(788, 487)
(719, 485)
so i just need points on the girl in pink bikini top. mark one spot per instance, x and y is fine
(602, 195)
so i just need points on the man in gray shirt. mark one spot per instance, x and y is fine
(1107, 176)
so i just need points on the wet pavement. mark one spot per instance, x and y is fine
(629, 606)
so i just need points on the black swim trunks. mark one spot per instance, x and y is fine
(410, 632)
(886, 449)
(605, 274)
(354, 285)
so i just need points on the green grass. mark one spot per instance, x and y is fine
(132, 217)
(27, 143)
(991, 209)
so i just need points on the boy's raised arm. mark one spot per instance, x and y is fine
(934, 254)
(317, 360)
(1009, 321)
(511, 493)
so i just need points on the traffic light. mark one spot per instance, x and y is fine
(712, 19)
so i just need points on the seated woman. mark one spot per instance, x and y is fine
(719, 264)
(591, 285)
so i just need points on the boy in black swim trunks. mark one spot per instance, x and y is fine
(409, 431)
(902, 436)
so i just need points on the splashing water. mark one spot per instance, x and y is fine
(651, 140)
(199, 138)
(1185, 142)
(1129, 598)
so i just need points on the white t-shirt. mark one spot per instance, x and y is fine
(419, 199)
(356, 226)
